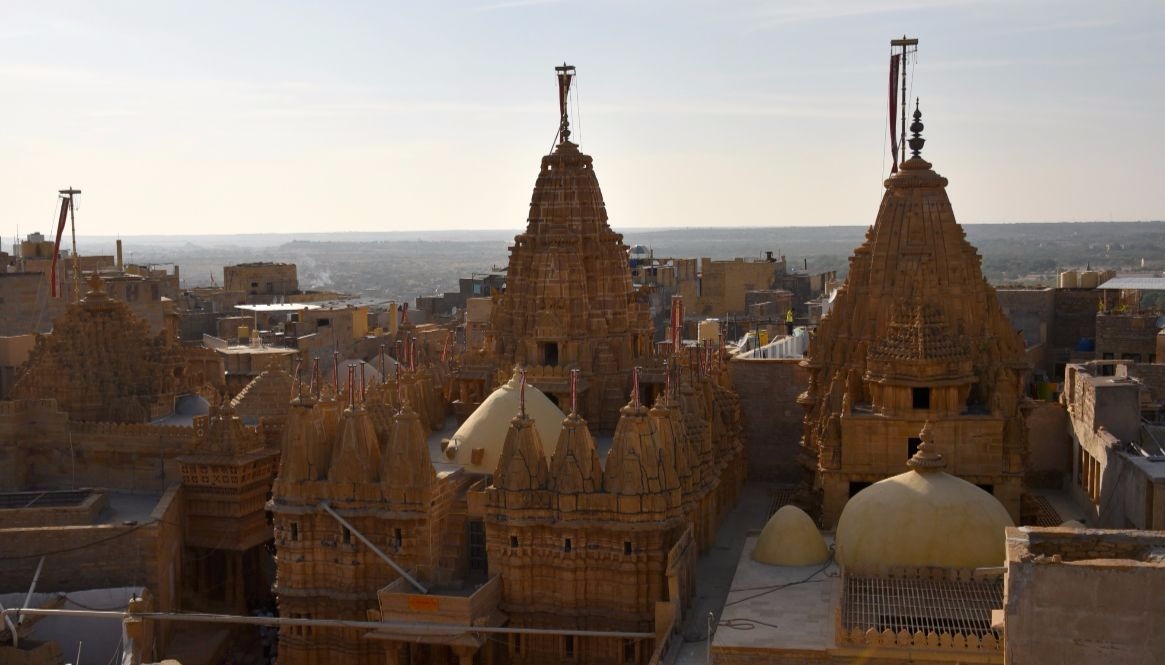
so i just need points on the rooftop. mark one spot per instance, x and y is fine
(778, 607)
(1135, 284)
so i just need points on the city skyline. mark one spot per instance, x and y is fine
(262, 119)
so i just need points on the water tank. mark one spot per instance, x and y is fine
(1069, 280)
(709, 329)
(1089, 279)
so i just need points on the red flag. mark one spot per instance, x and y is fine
(57, 245)
(894, 112)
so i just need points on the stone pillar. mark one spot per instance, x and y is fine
(464, 654)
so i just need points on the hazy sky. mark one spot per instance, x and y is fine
(219, 117)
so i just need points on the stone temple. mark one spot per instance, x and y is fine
(569, 301)
(916, 334)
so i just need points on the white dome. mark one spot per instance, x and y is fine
(485, 429)
(924, 517)
(790, 538)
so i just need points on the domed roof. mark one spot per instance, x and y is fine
(924, 517)
(790, 538)
(485, 429)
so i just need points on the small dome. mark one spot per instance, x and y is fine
(485, 429)
(1073, 524)
(790, 538)
(924, 517)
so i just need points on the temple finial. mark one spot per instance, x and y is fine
(916, 141)
(926, 458)
(565, 74)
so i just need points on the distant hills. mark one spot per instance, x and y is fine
(403, 264)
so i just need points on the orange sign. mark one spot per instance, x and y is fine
(423, 604)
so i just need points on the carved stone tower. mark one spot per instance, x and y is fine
(915, 333)
(569, 302)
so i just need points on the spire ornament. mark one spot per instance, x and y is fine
(926, 458)
(565, 74)
(916, 141)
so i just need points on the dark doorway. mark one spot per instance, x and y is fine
(920, 398)
(550, 354)
(857, 486)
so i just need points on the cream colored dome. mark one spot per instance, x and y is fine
(790, 538)
(924, 517)
(485, 429)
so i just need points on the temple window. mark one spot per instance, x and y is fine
(566, 545)
(568, 645)
(626, 547)
(346, 535)
(550, 354)
(920, 398)
(294, 531)
(397, 539)
(513, 541)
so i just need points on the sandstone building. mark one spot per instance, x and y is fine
(569, 303)
(915, 334)
(582, 547)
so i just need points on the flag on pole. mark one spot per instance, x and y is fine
(894, 60)
(57, 244)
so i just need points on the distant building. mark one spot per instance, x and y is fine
(261, 279)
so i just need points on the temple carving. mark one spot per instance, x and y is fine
(915, 334)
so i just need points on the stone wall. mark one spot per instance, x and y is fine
(100, 555)
(768, 392)
(1049, 461)
(27, 305)
(40, 448)
(1126, 336)
(1083, 597)
(1150, 376)
(1104, 416)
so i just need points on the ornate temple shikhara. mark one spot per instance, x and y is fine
(569, 302)
(103, 364)
(915, 334)
(569, 555)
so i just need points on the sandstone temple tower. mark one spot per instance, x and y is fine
(569, 302)
(915, 334)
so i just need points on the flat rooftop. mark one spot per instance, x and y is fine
(778, 607)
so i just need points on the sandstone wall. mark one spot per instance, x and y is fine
(1089, 608)
(768, 392)
(97, 556)
(1049, 462)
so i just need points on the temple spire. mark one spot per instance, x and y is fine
(565, 74)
